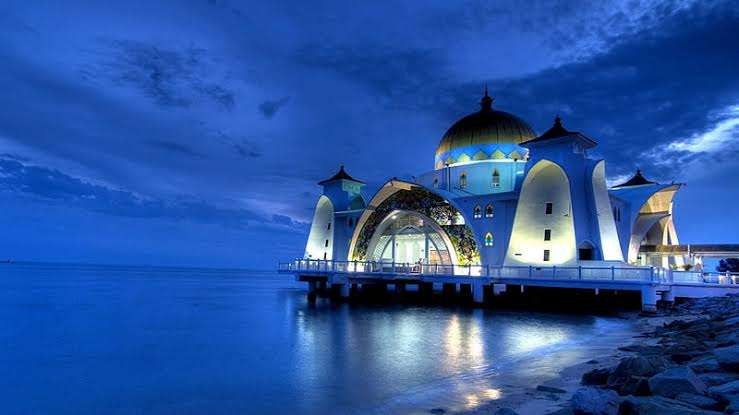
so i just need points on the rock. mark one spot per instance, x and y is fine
(636, 385)
(714, 379)
(700, 401)
(728, 357)
(592, 401)
(592, 362)
(643, 366)
(658, 405)
(708, 364)
(505, 411)
(676, 380)
(596, 376)
(724, 392)
(550, 389)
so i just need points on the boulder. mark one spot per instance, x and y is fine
(700, 401)
(596, 376)
(707, 364)
(636, 385)
(718, 378)
(658, 405)
(728, 357)
(724, 392)
(593, 401)
(635, 366)
(676, 380)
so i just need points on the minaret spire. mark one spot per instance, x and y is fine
(486, 103)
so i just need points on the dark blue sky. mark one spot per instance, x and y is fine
(192, 133)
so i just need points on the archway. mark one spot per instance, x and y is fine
(410, 237)
(586, 251)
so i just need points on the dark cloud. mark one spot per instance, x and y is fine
(270, 108)
(175, 147)
(170, 77)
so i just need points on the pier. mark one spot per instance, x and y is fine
(652, 283)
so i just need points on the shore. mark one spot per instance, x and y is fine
(684, 360)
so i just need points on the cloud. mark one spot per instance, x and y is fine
(170, 77)
(725, 132)
(270, 108)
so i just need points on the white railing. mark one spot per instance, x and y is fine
(568, 273)
(700, 277)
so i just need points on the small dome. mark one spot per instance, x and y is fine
(482, 133)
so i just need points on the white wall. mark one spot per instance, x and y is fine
(606, 224)
(545, 182)
(320, 232)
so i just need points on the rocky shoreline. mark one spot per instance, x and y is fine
(685, 362)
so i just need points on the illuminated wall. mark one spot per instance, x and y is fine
(321, 230)
(545, 182)
(606, 224)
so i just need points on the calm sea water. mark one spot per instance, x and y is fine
(124, 340)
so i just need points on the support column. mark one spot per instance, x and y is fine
(399, 288)
(426, 289)
(668, 296)
(478, 292)
(449, 290)
(312, 288)
(344, 290)
(498, 289)
(648, 299)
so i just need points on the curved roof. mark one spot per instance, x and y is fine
(479, 130)
(636, 180)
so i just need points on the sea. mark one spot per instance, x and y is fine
(98, 339)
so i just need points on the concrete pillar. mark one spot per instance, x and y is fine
(668, 296)
(312, 286)
(597, 291)
(478, 292)
(344, 290)
(426, 288)
(449, 290)
(399, 287)
(465, 290)
(648, 298)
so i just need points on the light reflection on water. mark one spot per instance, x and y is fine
(85, 341)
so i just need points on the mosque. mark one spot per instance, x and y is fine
(499, 195)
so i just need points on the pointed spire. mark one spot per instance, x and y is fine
(558, 121)
(486, 103)
(340, 175)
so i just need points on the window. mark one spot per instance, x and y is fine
(324, 255)
(326, 244)
(489, 211)
(548, 208)
(488, 239)
(328, 227)
(436, 182)
(547, 234)
(496, 178)
(477, 213)
(463, 180)
(350, 222)
(546, 255)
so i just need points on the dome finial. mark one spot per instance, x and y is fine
(486, 103)
(558, 120)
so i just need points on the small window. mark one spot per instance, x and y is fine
(324, 255)
(463, 180)
(328, 227)
(496, 178)
(548, 208)
(547, 234)
(436, 182)
(489, 211)
(326, 244)
(546, 255)
(477, 213)
(488, 239)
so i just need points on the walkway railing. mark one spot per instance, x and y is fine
(573, 273)
(701, 277)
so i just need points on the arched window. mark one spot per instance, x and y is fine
(477, 213)
(489, 211)
(463, 180)
(436, 182)
(496, 178)
(488, 239)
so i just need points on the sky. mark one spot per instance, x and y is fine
(193, 132)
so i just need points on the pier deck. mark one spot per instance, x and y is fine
(653, 283)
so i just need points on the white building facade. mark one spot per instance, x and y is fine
(499, 194)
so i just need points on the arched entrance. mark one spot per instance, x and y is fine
(586, 251)
(407, 237)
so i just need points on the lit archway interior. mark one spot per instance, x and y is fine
(410, 237)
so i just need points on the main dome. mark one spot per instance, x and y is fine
(486, 134)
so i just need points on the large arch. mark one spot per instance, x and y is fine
(546, 182)
(321, 237)
(401, 195)
(654, 225)
(609, 243)
(406, 237)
